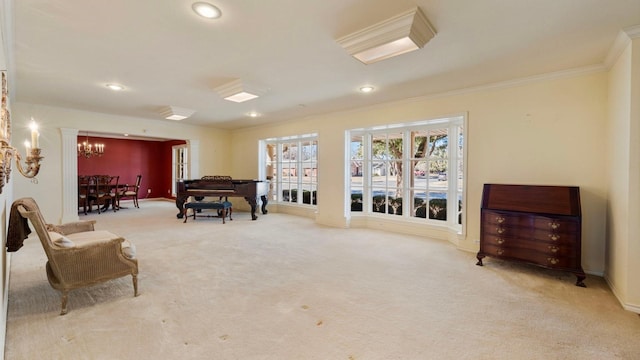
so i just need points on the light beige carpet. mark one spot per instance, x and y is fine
(283, 287)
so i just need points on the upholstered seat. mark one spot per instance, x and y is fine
(78, 256)
(223, 208)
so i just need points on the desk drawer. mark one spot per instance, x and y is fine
(555, 249)
(544, 258)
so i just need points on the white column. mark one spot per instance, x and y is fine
(69, 175)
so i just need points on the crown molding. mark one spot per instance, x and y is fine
(633, 31)
(620, 43)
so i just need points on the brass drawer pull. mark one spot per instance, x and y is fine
(500, 219)
(554, 237)
(553, 261)
(554, 225)
(499, 251)
(500, 230)
(500, 241)
(554, 249)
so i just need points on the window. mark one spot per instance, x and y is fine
(180, 166)
(409, 170)
(292, 167)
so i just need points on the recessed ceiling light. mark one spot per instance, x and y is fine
(253, 114)
(115, 87)
(366, 89)
(206, 10)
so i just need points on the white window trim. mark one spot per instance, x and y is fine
(452, 122)
(278, 142)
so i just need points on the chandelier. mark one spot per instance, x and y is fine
(88, 150)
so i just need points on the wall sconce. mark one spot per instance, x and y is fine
(7, 152)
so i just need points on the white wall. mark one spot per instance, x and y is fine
(48, 192)
(623, 242)
(541, 132)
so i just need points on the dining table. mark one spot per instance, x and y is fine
(90, 186)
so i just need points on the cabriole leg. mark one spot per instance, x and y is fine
(479, 257)
(579, 279)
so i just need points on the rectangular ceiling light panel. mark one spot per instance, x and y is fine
(236, 91)
(241, 97)
(176, 113)
(398, 35)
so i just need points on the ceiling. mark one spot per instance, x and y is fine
(65, 51)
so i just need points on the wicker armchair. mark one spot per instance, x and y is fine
(79, 256)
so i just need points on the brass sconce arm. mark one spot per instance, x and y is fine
(33, 163)
(7, 152)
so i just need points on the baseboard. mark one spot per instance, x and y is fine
(629, 307)
(595, 273)
(632, 308)
(407, 227)
(297, 210)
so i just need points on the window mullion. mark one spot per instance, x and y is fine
(299, 172)
(367, 173)
(452, 175)
(407, 172)
(279, 170)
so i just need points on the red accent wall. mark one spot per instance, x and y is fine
(128, 158)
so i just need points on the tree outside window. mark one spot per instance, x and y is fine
(412, 162)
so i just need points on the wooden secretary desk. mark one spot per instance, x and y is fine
(534, 224)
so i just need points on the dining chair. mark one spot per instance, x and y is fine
(102, 194)
(114, 192)
(84, 186)
(131, 191)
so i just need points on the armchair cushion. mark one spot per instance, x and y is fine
(91, 238)
(60, 240)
